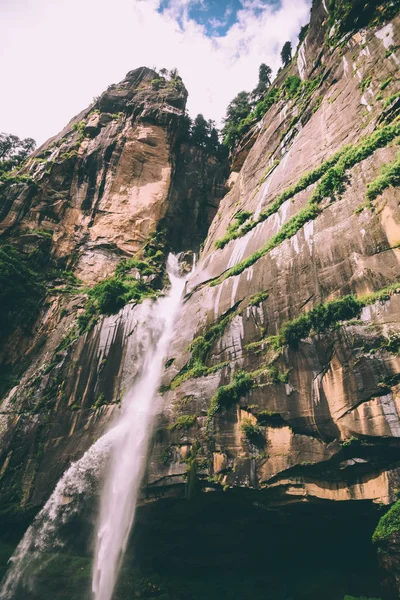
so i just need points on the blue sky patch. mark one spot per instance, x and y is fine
(217, 16)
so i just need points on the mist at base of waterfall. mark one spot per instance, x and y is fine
(123, 449)
(129, 448)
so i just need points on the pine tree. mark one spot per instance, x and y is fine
(264, 81)
(286, 54)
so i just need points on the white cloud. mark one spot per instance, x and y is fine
(56, 56)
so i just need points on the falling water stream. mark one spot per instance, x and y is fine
(123, 448)
(128, 459)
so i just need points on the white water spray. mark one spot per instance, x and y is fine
(127, 444)
(119, 497)
(42, 538)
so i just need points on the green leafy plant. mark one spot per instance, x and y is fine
(256, 299)
(227, 395)
(292, 86)
(321, 318)
(253, 432)
(234, 230)
(385, 83)
(200, 349)
(183, 422)
(388, 525)
(111, 294)
(101, 400)
(389, 175)
(391, 99)
(277, 376)
(326, 316)
(80, 129)
(364, 85)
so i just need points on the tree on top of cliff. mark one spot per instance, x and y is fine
(213, 143)
(205, 135)
(200, 131)
(185, 128)
(237, 110)
(264, 81)
(286, 53)
(264, 74)
(13, 151)
(303, 33)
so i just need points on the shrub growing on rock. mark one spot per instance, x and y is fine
(253, 432)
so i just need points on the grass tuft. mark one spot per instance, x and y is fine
(183, 422)
(390, 175)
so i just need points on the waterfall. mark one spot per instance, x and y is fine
(122, 484)
(123, 448)
(42, 538)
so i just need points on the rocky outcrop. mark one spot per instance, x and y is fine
(101, 192)
(101, 186)
(199, 185)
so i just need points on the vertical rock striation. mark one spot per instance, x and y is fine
(286, 356)
(112, 191)
(282, 384)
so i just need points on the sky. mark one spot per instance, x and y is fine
(57, 55)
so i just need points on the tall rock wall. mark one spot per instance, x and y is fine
(281, 386)
(318, 418)
(114, 188)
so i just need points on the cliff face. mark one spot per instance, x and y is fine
(108, 188)
(321, 407)
(101, 185)
(306, 412)
(282, 382)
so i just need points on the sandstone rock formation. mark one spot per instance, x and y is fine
(277, 416)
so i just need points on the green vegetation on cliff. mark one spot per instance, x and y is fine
(13, 152)
(345, 16)
(391, 99)
(109, 295)
(229, 394)
(17, 276)
(242, 114)
(330, 185)
(326, 316)
(183, 422)
(253, 432)
(388, 525)
(319, 319)
(389, 175)
(235, 229)
(23, 274)
(258, 298)
(200, 349)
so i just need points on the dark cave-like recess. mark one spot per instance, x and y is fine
(224, 546)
